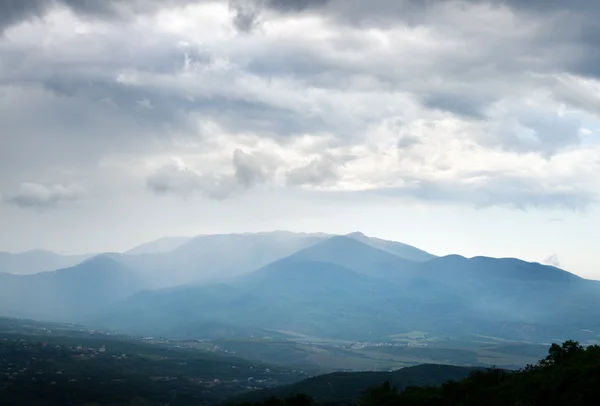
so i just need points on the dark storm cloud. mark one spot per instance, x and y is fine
(151, 107)
(575, 22)
(15, 11)
(246, 11)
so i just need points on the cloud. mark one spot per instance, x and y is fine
(15, 11)
(38, 196)
(250, 169)
(489, 190)
(478, 87)
(408, 141)
(552, 260)
(246, 14)
(179, 179)
(319, 171)
(182, 181)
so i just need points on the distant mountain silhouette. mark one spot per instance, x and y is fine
(312, 284)
(70, 293)
(162, 245)
(358, 256)
(36, 261)
(342, 288)
(397, 248)
(218, 257)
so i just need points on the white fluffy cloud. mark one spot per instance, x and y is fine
(475, 103)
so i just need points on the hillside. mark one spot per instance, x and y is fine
(343, 289)
(213, 258)
(48, 364)
(393, 247)
(358, 256)
(70, 293)
(313, 285)
(35, 261)
(568, 376)
(162, 245)
(342, 387)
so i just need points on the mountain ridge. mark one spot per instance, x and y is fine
(322, 291)
(335, 287)
(36, 261)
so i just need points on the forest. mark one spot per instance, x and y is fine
(568, 376)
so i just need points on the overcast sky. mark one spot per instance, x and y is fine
(464, 127)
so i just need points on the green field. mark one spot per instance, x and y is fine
(323, 356)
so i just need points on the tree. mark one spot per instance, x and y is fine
(559, 354)
(384, 395)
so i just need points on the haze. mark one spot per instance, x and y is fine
(457, 127)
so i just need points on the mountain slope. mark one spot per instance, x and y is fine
(353, 254)
(165, 244)
(288, 295)
(341, 288)
(35, 261)
(348, 386)
(67, 294)
(393, 247)
(217, 257)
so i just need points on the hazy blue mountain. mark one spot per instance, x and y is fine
(287, 295)
(67, 294)
(341, 288)
(218, 257)
(312, 284)
(358, 256)
(162, 245)
(397, 248)
(35, 261)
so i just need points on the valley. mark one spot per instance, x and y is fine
(201, 326)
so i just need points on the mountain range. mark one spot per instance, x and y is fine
(35, 261)
(350, 287)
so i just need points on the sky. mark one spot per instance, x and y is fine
(469, 127)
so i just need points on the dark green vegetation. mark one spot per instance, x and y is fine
(348, 386)
(568, 376)
(56, 364)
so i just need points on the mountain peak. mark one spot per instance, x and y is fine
(393, 247)
(356, 234)
(101, 260)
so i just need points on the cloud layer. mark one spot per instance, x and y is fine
(478, 103)
(36, 196)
